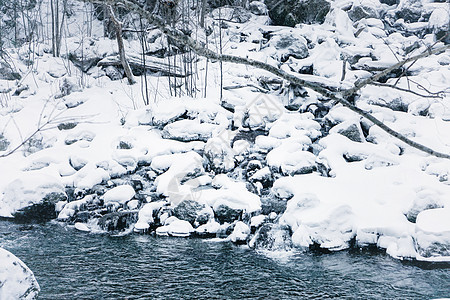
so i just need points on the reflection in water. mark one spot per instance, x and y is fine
(73, 265)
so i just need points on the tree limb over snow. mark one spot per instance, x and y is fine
(333, 92)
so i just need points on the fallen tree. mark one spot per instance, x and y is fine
(334, 92)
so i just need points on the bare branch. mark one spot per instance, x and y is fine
(431, 95)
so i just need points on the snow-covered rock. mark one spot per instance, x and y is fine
(121, 194)
(433, 234)
(17, 281)
(240, 233)
(30, 194)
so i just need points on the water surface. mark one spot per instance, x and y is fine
(74, 265)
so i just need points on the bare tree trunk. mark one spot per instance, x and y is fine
(202, 13)
(123, 58)
(53, 28)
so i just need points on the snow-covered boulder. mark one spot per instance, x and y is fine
(176, 228)
(219, 154)
(32, 197)
(289, 159)
(363, 9)
(240, 233)
(189, 130)
(209, 229)
(409, 10)
(17, 281)
(120, 194)
(433, 234)
(439, 22)
(287, 43)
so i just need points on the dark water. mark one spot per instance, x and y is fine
(73, 265)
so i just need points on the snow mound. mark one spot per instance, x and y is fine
(121, 194)
(17, 281)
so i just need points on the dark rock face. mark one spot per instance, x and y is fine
(353, 132)
(40, 212)
(225, 214)
(292, 12)
(188, 210)
(118, 221)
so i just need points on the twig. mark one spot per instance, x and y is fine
(406, 90)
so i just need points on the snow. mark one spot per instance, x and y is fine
(82, 227)
(240, 232)
(176, 228)
(17, 281)
(121, 194)
(27, 190)
(375, 189)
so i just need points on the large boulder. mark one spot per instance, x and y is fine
(17, 281)
(32, 197)
(273, 237)
(292, 12)
(364, 9)
(289, 43)
(226, 214)
(433, 234)
(409, 10)
(192, 211)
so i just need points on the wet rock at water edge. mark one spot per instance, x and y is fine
(118, 221)
(273, 237)
(42, 211)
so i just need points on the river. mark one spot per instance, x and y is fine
(69, 264)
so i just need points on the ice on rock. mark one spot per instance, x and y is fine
(17, 281)
(432, 234)
(121, 194)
